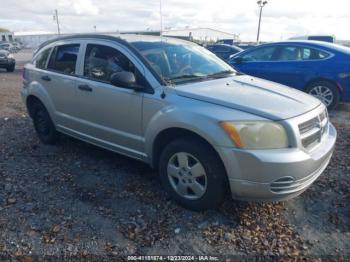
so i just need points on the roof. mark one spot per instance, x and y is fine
(125, 39)
(128, 40)
(313, 43)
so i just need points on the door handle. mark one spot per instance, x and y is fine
(46, 78)
(85, 88)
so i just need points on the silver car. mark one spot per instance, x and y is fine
(170, 103)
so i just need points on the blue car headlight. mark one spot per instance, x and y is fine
(344, 75)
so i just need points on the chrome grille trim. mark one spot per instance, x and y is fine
(313, 130)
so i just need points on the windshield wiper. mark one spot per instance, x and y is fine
(185, 77)
(221, 74)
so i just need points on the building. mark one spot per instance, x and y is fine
(200, 34)
(6, 37)
(34, 39)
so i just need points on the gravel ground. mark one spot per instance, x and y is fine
(74, 199)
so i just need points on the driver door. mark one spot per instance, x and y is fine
(110, 116)
(256, 62)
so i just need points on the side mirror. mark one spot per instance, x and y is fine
(126, 80)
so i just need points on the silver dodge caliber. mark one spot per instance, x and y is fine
(208, 129)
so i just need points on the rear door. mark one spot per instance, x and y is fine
(60, 81)
(55, 67)
(295, 65)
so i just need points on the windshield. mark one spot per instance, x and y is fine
(181, 63)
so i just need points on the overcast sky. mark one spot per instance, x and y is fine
(281, 18)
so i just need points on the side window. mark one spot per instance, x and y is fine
(322, 55)
(222, 49)
(317, 54)
(290, 53)
(102, 61)
(41, 58)
(259, 55)
(64, 59)
(306, 53)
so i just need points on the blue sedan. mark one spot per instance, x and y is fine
(224, 51)
(318, 68)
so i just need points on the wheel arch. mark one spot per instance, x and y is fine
(30, 102)
(170, 134)
(318, 79)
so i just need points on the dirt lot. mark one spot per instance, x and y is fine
(77, 199)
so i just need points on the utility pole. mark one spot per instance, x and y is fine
(161, 17)
(55, 17)
(261, 5)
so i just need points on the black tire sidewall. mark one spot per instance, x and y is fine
(330, 86)
(217, 184)
(40, 111)
(10, 69)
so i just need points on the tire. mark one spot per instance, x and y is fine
(213, 184)
(43, 125)
(10, 69)
(323, 90)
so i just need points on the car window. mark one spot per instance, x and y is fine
(41, 58)
(221, 49)
(182, 63)
(103, 61)
(64, 58)
(298, 53)
(322, 55)
(259, 55)
(290, 53)
(306, 53)
(318, 54)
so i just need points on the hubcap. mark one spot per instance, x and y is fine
(187, 176)
(323, 93)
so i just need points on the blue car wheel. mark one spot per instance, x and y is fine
(326, 91)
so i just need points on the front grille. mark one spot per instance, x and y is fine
(313, 130)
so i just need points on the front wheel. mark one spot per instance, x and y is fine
(10, 68)
(325, 91)
(193, 174)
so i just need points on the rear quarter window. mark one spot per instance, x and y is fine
(41, 59)
(313, 54)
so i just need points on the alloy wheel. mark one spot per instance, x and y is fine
(323, 93)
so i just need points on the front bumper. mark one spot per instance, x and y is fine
(4, 62)
(275, 175)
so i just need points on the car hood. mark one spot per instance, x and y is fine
(3, 52)
(253, 95)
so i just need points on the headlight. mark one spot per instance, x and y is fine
(256, 134)
(344, 75)
(10, 56)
